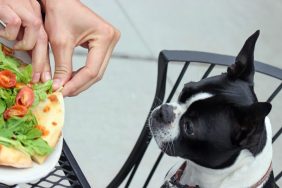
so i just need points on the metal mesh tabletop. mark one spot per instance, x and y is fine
(66, 173)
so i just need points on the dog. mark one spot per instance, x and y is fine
(220, 130)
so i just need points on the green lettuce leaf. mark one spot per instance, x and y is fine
(23, 74)
(2, 106)
(2, 121)
(41, 90)
(37, 147)
(8, 96)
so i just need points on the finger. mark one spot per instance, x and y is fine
(36, 6)
(97, 61)
(39, 56)
(41, 60)
(63, 63)
(46, 75)
(32, 24)
(89, 73)
(103, 66)
(12, 21)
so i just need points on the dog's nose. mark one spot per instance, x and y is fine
(166, 114)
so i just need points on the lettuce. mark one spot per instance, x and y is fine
(40, 91)
(21, 132)
(12, 143)
(8, 96)
(23, 74)
(2, 121)
(2, 106)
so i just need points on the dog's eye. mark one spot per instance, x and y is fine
(188, 128)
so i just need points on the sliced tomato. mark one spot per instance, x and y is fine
(7, 51)
(16, 110)
(25, 97)
(7, 79)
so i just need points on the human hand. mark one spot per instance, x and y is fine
(23, 22)
(68, 24)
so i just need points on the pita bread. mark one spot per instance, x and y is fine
(50, 118)
(14, 158)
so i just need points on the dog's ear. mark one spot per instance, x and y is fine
(243, 68)
(254, 113)
(250, 118)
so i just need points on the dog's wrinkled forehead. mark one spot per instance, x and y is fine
(233, 92)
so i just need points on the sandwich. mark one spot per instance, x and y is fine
(31, 115)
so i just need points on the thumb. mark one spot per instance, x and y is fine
(63, 64)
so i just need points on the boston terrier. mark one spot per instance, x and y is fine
(220, 130)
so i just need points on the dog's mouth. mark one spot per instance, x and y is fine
(165, 137)
(167, 147)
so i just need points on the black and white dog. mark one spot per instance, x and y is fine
(220, 129)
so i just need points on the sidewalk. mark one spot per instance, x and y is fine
(103, 123)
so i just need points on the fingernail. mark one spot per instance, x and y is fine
(35, 77)
(56, 84)
(46, 76)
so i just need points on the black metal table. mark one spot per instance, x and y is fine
(67, 173)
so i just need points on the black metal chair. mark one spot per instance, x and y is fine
(127, 172)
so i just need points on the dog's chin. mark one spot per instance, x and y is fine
(168, 148)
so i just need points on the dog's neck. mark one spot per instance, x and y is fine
(247, 169)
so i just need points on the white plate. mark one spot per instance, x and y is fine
(11, 176)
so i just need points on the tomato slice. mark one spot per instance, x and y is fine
(7, 79)
(25, 97)
(7, 51)
(16, 110)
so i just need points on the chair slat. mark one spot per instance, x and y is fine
(278, 133)
(178, 81)
(278, 176)
(132, 173)
(276, 91)
(153, 169)
(208, 71)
